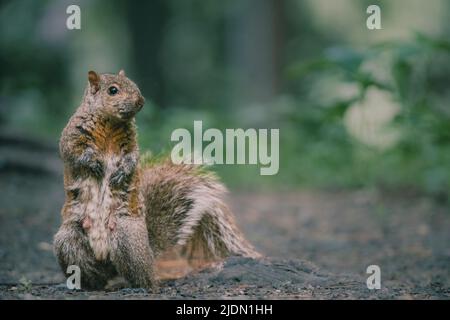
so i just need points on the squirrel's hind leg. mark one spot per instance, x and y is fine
(131, 253)
(71, 247)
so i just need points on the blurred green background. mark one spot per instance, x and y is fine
(356, 108)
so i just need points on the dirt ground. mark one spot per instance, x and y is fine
(318, 244)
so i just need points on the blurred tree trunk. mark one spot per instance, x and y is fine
(147, 21)
(255, 39)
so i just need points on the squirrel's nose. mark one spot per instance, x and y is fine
(140, 101)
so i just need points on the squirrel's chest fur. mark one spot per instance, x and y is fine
(100, 205)
(112, 140)
(97, 203)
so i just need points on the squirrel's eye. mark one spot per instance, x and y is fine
(112, 90)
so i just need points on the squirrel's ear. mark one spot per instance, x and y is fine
(122, 73)
(94, 81)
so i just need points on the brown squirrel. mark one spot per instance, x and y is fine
(119, 215)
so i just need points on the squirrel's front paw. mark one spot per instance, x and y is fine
(89, 161)
(124, 172)
(118, 178)
(97, 168)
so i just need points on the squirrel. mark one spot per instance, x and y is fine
(120, 215)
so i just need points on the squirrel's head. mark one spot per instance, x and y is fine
(115, 95)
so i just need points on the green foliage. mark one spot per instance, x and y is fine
(417, 77)
(191, 62)
(316, 148)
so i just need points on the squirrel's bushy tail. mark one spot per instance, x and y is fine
(184, 208)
